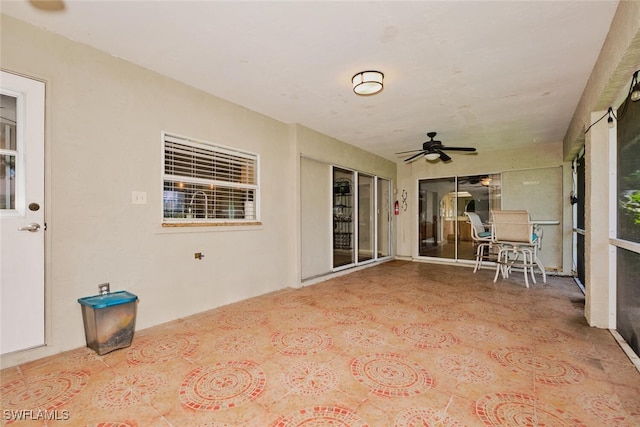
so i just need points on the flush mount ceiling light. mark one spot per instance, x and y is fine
(432, 156)
(367, 82)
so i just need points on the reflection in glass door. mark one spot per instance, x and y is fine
(343, 210)
(366, 212)
(383, 211)
(474, 194)
(437, 226)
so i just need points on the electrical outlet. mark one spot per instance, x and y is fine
(139, 197)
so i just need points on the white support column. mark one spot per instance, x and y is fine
(598, 303)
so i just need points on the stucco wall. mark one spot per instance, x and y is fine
(104, 118)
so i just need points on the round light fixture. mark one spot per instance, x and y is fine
(432, 156)
(367, 82)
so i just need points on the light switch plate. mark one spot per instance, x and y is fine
(139, 197)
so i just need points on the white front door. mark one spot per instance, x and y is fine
(21, 213)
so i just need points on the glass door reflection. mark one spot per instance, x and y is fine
(444, 230)
(437, 226)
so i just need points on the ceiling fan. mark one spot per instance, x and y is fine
(433, 150)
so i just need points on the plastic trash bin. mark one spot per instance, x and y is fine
(109, 320)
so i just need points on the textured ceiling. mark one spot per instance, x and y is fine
(480, 73)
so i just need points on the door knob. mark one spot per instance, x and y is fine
(33, 227)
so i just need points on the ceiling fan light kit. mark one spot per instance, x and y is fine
(367, 83)
(432, 156)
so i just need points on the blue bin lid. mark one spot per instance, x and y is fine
(107, 300)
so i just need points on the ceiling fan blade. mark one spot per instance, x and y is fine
(410, 151)
(443, 156)
(458, 148)
(414, 156)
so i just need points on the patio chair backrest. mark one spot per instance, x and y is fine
(512, 226)
(476, 222)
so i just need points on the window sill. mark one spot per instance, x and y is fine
(211, 224)
(204, 227)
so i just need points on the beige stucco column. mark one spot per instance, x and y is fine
(599, 302)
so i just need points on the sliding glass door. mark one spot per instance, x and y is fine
(343, 210)
(436, 222)
(443, 227)
(361, 218)
(366, 217)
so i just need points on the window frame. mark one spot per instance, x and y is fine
(215, 149)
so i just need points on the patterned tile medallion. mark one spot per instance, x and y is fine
(349, 315)
(243, 319)
(301, 342)
(447, 312)
(545, 335)
(310, 379)
(130, 390)
(541, 334)
(365, 337)
(466, 369)
(82, 355)
(222, 386)
(581, 352)
(514, 409)
(235, 344)
(322, 416)
(546, 369)
(480, 333)
(391, 375)
(294, 301)
(163, 348)
(606, 408)
(398, 313)
(424, 335)
(49, 391)
(293, 315)
(415, 417)
(382, 299)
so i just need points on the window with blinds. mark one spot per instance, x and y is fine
(206, 183)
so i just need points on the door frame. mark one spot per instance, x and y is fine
(31, 116)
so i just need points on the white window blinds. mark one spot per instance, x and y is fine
(208, 183)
